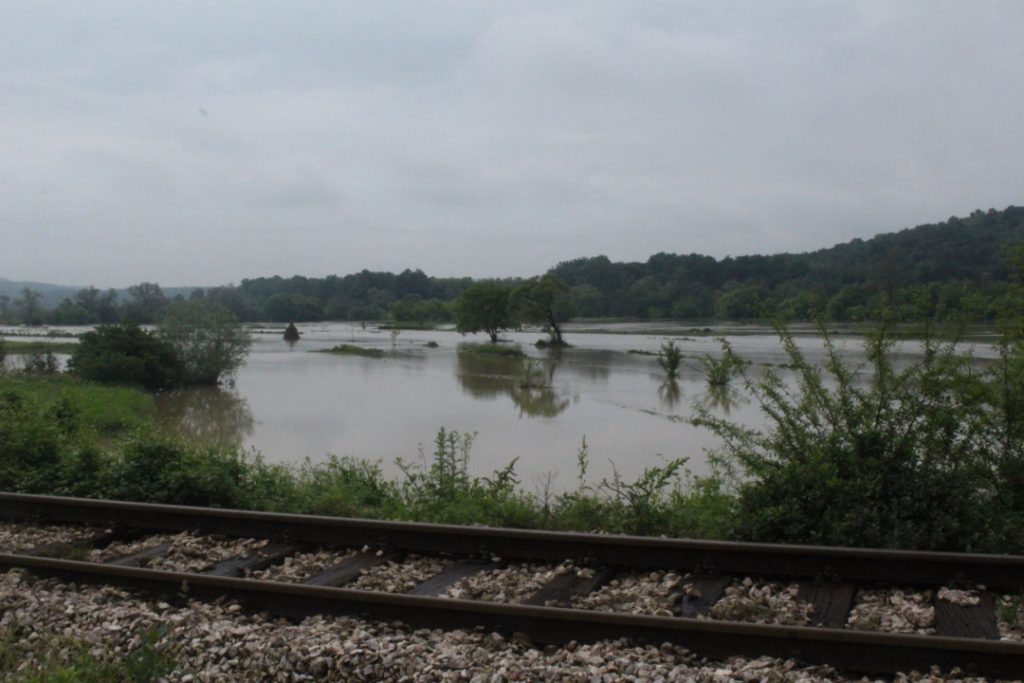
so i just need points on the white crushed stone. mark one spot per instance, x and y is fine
(220, 642)
(959, 596)
(300, 566)
(1010, 617)
(18, 537)
(896, 611)
(511, 584)
(398, 577)
(189, 552)
(643, 593)
(762, 603)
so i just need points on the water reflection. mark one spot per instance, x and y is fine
(723, 397)
(527, 381)
(670, 392)
(590, 364)
(206, 415)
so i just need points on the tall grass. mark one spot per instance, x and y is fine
(29, 656)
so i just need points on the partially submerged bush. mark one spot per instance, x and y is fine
(719, 372)
(670, 358)
(929, 456)
(126, 354)
(207, 338)
(196, 343)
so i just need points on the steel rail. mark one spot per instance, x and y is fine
(858, 651)
(911, 568)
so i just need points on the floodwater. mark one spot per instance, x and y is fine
(290, 403)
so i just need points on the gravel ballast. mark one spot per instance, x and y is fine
(762, 603)
(20, 537)
(643, 593)
(188, 553)
(894, 611)
(512, 584)
(398, 577)
(221, 642)
(301, 566)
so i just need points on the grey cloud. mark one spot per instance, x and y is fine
(488, 138)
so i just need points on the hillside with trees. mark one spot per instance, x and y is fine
(960, 269)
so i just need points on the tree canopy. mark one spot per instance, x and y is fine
(484, 307)
(126, 354)
(207, 338)
(544, 300)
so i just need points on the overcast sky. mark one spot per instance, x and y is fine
(199, 143)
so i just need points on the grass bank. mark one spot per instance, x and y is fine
(104, 409)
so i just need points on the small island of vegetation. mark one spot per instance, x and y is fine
(353, 350)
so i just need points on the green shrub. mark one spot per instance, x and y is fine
(51, 658)
(663, 500)
(719, 372)
(670, 358)
(440, 489)
(41, 363)
(33, 437)
(927, 456)
(163, 470)
(207, 338)
(126, 354)
(345, 486)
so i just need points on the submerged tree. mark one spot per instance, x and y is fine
(484, 307)
(546, 301)
(207, 338)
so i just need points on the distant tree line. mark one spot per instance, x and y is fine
(959, 269)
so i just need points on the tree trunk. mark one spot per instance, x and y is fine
(556, 332)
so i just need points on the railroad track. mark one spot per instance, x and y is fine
(130, 539)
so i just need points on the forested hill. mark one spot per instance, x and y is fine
(959, 267)
(963, 268)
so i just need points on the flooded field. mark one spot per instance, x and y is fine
(290, 403)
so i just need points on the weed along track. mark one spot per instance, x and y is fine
(858, 610)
